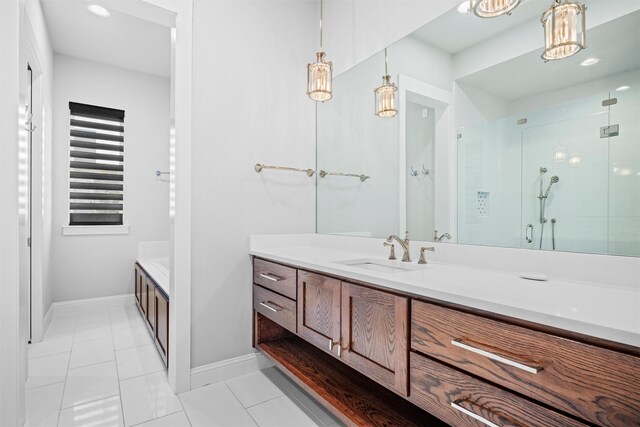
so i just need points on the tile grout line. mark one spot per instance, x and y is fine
(64, 388)
(241, 405)
(115, 360)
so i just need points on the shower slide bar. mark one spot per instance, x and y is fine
(259, 168)
(158, 173)
(362, 178)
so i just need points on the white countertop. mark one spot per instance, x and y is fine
(604, 311)
(158, 269)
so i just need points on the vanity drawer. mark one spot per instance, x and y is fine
(276, 277)
(280, 309)
(592, 383)
(461, 400)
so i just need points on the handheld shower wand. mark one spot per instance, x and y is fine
(554, 179)
(543, 201)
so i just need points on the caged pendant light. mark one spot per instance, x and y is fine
(385, 95)
(492, 8)
(320, 74)
(562, 37)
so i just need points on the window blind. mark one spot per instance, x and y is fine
(96, 165)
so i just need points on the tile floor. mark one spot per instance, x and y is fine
(100, 368)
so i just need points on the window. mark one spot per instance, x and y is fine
(96, 184)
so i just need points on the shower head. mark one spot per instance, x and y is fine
(543, 170)
(554, 179)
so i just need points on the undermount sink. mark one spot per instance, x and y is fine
(382, 266)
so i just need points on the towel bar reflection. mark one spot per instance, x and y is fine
(259, 167)
(158, 173)
(363, 178)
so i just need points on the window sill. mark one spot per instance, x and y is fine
(94, 230)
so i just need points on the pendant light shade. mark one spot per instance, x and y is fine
(385, 95)
(564, 30)
(320, 74)
(492, 8)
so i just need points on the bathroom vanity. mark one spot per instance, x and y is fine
(153, 302)
(367, 336)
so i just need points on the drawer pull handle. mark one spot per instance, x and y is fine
(271, 306)
(457, 407)
(271, 277)
(496, 357)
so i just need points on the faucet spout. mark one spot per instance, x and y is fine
(404, 244)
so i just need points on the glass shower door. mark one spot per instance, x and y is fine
(624, 174)
(565, 177)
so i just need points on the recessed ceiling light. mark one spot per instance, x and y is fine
(621, 88)
(590, 61)
(99, 10)
(464, 7)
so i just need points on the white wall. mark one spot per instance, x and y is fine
(94, 266)
(249, 106)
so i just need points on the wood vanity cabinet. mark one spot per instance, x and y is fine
(465, 366)
(154, 308)
(366, 328)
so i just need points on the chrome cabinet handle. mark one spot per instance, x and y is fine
(457, 407)
(334, 344)
(529, 237)
(271, 277)
(271, 306)
(496, 357)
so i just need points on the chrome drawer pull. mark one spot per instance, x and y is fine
(271, 277)
(457, 407)
(497, 358)
(271, 306)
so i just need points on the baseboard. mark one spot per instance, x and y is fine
(46, 321)
(81, 305)
(227, 369)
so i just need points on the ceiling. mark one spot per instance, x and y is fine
(121, 40)
(471, 30)
(616, 43)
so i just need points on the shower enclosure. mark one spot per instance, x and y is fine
(565, 178)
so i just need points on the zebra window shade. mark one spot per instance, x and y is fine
(96, 165)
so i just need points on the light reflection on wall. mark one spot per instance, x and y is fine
(23, 165)
(172, 170)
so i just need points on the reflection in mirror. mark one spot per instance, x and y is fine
(491, 144)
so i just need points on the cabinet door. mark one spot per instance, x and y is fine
(319, 310)
(375, 335)
(143, 292)
(137, 283)
(151, 303)
(162, 324)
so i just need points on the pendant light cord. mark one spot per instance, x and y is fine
(386, 73)
(320, 25)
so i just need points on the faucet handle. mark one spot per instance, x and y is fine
(423, 259)
(406, 235)
(392, 255)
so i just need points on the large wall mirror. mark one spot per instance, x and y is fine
(491, 144)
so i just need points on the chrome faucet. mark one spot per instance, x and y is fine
(406, 256)
(439, 239)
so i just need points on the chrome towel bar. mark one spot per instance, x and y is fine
(363, 178)
(259, 167)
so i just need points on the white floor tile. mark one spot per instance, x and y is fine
(47, 370)
(280, 412)
(91, 352)
(43, 405)
(90, 383)
(102, 413)
(126, 320)
(305, 402)
(52, 345)
(131, 337)
(136, 361)
(92, 331)
(214, 405)
(93, 316)
(64, 323)
(179, 419)
(147, 397)
(253, 388)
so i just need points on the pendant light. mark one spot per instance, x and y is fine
(492, 8)
(385, 95)
(562, 37)
(320, 74)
